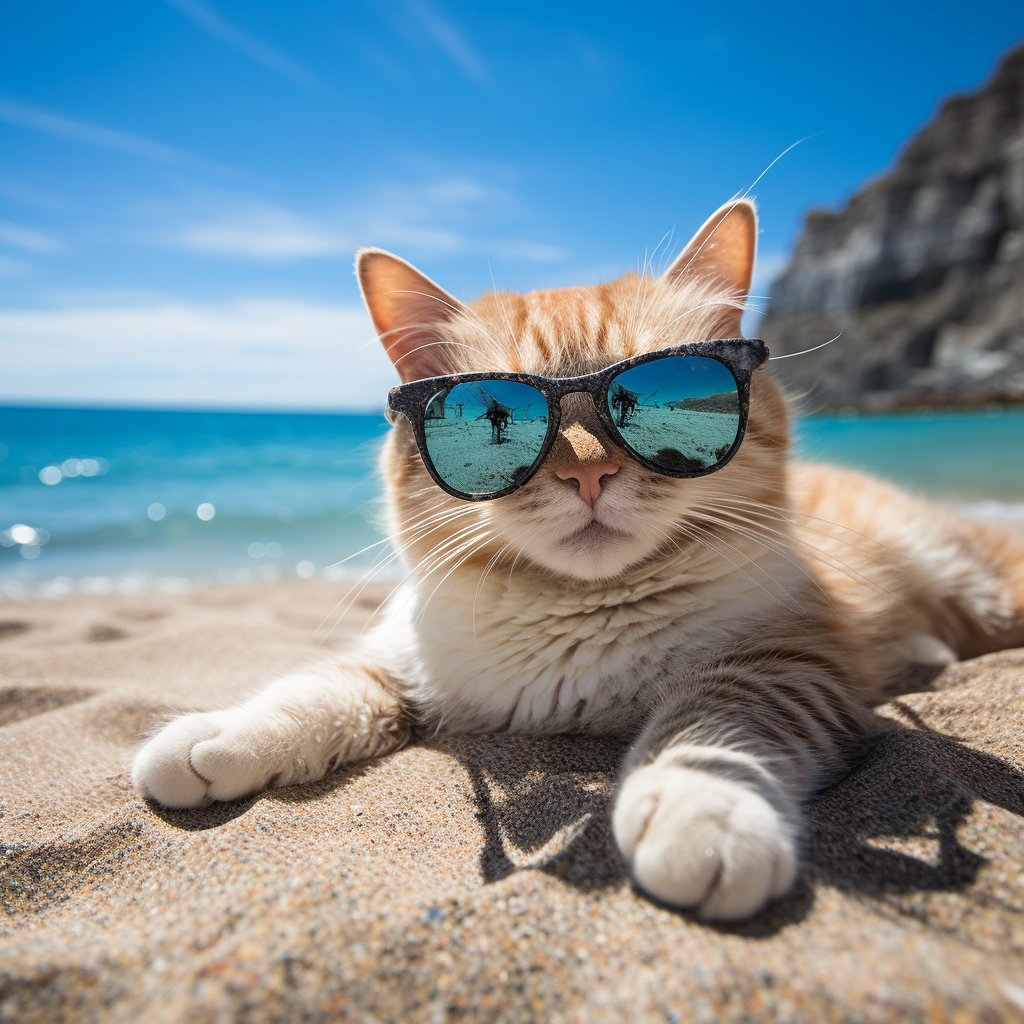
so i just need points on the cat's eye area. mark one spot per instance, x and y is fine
(485, 436)
(680, 412)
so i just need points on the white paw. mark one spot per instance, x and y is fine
(698, 841)
(199, 758)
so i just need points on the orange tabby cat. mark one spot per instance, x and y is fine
(736, 626)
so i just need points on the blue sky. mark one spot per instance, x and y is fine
(183, 183)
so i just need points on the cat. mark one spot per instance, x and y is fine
(736, 627)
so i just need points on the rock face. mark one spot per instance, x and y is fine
(923, 271)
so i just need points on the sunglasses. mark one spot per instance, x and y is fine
(680, 412)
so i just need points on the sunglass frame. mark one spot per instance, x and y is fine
(741, 356)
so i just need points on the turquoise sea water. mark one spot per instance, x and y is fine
(172, 500)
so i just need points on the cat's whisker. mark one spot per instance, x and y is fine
(356, 554)
(755, 525)
(667, 237)
(804, 352)
(396, 334)
(478, 543)
(753, 184)
(791, 515)
(512, 567)
(375, 569)
(511, 336)
(787, 150)
(818, 550)
(460, 311)
(430, 524)
(821, 554)
(438, 555)
(717, 537)
(721, 301)
(434, 344)
(381, 560)
(483, 576)
(367, 578)
(412, 571)
(458, 555)
(750, 529)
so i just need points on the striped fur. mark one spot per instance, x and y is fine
(737, 627)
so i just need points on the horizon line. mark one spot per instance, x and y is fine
(81, 405)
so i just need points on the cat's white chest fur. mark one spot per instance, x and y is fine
(547, 660)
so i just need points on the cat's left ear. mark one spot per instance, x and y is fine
(723, 250)
(407, 309)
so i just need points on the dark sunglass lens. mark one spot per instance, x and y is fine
(680, 412)
(485, 436)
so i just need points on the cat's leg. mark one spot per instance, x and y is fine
(295, 730)
(708, 813)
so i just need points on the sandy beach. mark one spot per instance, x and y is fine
(468, 878)
(701, 437)
(463, 452)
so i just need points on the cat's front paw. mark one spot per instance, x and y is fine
(697, 841)
(197, 759)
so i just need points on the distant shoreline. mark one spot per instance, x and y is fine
(882, 402)
(874, 402)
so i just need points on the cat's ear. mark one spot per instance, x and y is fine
(407, 308)
(723, 250)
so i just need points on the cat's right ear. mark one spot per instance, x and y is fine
(407, 309)
(722, 251)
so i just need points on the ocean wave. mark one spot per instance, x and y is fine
(142, 583)
(994, 509)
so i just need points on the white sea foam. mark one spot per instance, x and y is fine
(994, 509)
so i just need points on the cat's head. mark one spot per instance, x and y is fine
(591, 512)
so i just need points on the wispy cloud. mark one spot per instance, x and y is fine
(60, 127)
(450, 40)
(252, 352)
(29, 239)
(210, 22)
(261, 232)
(444, 214)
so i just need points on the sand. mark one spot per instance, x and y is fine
(464, 455)
(467, 879)
(702, 437)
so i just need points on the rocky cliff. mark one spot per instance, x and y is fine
(923, 271)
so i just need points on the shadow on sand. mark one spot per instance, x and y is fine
(545, 803)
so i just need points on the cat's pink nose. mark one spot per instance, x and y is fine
(589, 476)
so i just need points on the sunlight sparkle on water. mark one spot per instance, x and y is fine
(70, 468)
(206, 511)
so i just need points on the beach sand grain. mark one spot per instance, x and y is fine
(470, 878)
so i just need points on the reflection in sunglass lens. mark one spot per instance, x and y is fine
(680, 412)
(484, 436)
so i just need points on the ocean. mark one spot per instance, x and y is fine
(101, 500)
